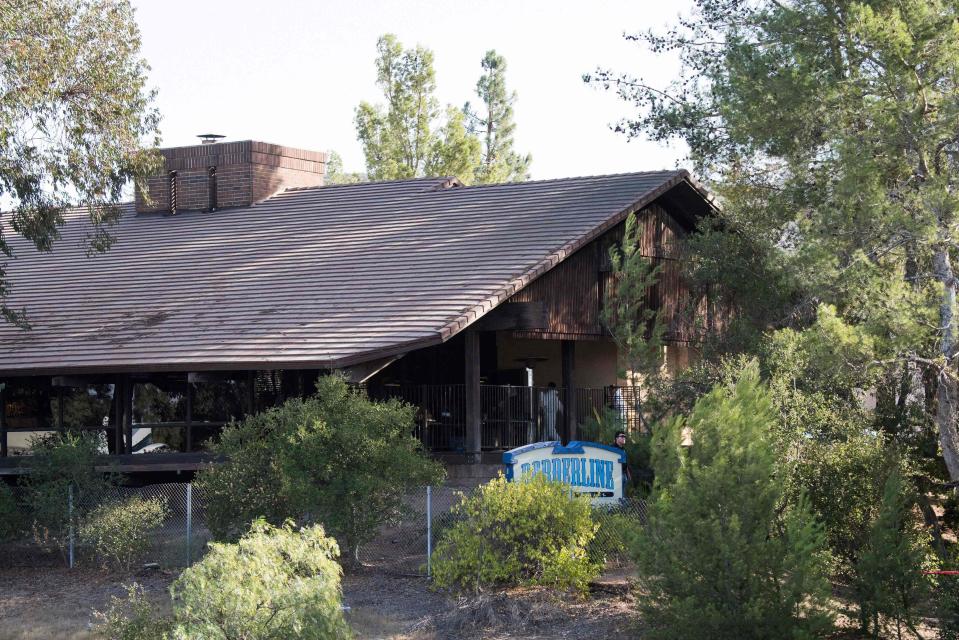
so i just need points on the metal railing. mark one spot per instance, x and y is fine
(512, 416)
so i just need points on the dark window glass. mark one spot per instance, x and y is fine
(159, 402)
(89, 406)
(219, 401)
(30, 404)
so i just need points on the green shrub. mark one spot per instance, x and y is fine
(274, 583)
(118, 533)
(843, 480)
(11, 517)
(336, 458)
(61, 461)
(889, 579)
(947, 601)
(132, 618)
(717, 558)
(517, 533)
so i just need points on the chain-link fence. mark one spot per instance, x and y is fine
(403, 546)
(52, 529)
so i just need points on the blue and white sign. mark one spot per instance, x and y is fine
(589, 468)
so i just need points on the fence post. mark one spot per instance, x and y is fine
(189, 523)
(70, 519)
(429, 530)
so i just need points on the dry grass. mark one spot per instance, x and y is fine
(47, 603)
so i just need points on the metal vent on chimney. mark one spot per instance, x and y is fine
(210, 138)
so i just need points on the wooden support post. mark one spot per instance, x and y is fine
(3, 421)
(60, 408)
(425, 419)
(569, 391)
(474, 427)
(189, 414)
(118, 415)
(251, 392)
(128, 412)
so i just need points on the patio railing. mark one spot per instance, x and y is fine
(511, 415)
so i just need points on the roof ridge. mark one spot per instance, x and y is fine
(437, 179)
(589, 177)
(454, 181)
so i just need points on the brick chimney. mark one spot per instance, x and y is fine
(219, 175)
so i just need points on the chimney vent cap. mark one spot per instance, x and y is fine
(210, 138)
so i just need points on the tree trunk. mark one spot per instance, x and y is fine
(946, 391)
(946, 423)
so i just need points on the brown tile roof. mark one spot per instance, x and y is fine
(316, 277)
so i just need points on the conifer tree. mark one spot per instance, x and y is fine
(890, 583)
(405, 138)
(495, 126)
(717, 559)
(636, 327)
(829, 130)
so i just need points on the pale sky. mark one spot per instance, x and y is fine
(293, 71)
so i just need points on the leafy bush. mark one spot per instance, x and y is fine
(947, 601)
(336, 458)
(890, 583)
(517, 533)
(717, 558)
(61, 461)
(132, 618)
(843, 480)
(274, 583)
(11, 518)
(118, 532)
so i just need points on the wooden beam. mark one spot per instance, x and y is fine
(514, 316)
(60, 409)
(251, 392)
(3, 421)
(209, 376)
(118, 395)
(360, 373)
(128, 413)
(569, 391)
(474, 430)
(189, 417)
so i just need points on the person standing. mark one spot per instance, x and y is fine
(550, 406)
(620, 442)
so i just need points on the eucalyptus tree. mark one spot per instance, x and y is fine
(76, 119)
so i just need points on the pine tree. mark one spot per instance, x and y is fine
(500, 162)
(404, 138)
(636, 327)
(717, 559)
(890, 583)
(829, 131)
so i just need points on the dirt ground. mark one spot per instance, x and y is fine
(54, 603)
